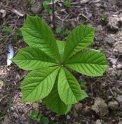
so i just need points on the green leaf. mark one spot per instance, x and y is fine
(50, 11)
(45, 5)
(67, 3)
(37, 33)
(68, 109)
(44, 120)
(68, 87)
(89, 62)
(103, 17)
(1, 82)
(8, 30)
(66, 32)
(61, 45)
(83, 84)
(34, 114)
(54, 102)
(31, 58)
(84, 95)
(49, 1)
(58, 30)
(18, 34)
(38, 118)
(38, 84)
(78, 39)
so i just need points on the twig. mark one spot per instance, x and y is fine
(17, 86)
(53, 14)
(4, 97)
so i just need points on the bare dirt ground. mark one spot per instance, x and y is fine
(104, 104)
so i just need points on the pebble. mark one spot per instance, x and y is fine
(98, 122)
(110, 39)
(75, 114)
(52, 118)
(119, 98)
(119, 66)
(120, 122)
(77, 106)
(84, 1)
(36, 106)
(113, 22)
(100, 107)
(99, 28)
(68, 117)
(118, 47)
(86, 110)
(113, 105)
(76, 123)
(36, 7)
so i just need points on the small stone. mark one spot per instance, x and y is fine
(86, 110)
(36, 106)
(68, 117)
(36, 7)
(100, 107)
(15, 115)
(119, 98)
(113, 105)
(120, 122)
(76, 123)
(75, 114)
(99, 28)
(113, 22)
(119, 66)
(52, 118)
(12, 108)
(84, 1)
(110, 39)
(98, 122)
(77, 106)
(40, 101)
(118, 47)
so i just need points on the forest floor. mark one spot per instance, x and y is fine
(104, 104)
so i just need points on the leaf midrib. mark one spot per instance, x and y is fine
(39, 83)
(83, 63)
(79, 42)
(42, 40)
(68, 83)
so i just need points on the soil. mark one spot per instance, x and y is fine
(104, 104)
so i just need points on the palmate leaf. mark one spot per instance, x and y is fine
(78, 39)
(31, 58)
(54, 102)
(37, 33)
(38, 83)
(61, 45)
(68, 87)
(89, 62)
